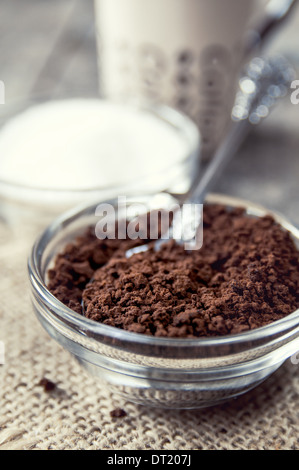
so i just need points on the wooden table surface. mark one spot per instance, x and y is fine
(49, 47)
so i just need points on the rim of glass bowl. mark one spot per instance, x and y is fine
(120, 338)
(176, 119)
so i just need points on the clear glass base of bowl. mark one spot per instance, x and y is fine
(172, 395)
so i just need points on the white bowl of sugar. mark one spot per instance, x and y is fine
(55, 155)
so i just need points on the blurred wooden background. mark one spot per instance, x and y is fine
(49, 47)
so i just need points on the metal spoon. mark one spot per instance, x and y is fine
(276, 13)
(264, 83)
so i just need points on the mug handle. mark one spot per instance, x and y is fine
(276, 12)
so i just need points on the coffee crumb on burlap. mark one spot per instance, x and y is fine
(118, 413)
(47, 385)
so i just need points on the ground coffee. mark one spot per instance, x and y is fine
(47, 384)
(118, 413)
(245, 276)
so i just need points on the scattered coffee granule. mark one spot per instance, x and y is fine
(47, 384)
(118, 413)
(245, 276)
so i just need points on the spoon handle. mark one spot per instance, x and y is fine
(259, 90)
(276, 12)
(225, 152)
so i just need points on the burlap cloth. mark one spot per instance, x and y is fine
(76, 415)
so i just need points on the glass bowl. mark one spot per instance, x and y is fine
(161, 372)
(33, 205)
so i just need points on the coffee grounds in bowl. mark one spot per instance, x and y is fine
(245, 276)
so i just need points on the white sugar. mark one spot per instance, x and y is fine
(83, 144)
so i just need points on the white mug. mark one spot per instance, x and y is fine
(187, 54)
